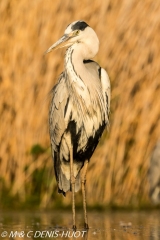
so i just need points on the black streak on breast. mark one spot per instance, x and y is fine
(99, 71)
(66, 106)
(82, 155)
(74, 135)
(91, 145)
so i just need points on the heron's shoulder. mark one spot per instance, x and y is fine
(93, 66)
(91, 63)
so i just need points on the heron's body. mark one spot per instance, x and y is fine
(79, 109)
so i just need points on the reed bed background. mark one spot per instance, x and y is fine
(129, 33)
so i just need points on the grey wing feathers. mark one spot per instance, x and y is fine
(58, 122)
(57, 127)
(105, 83)
(106, 88)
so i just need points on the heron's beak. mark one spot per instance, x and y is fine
(62, 42)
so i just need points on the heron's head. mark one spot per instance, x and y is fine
(77, 32)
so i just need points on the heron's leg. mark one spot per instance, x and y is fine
(83, 183)
(73, 187)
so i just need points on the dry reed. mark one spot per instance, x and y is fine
(129, 50)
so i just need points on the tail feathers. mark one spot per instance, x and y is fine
(61, 191)
(64, 185)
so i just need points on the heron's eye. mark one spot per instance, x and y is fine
(77, 32)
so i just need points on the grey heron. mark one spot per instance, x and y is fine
(79, 110)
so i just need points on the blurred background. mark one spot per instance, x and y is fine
(123, 171)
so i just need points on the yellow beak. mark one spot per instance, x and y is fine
(62, 42)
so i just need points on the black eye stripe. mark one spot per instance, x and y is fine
(79, 26)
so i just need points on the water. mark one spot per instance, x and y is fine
(57, 225)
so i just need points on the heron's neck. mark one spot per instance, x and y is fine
(74, 65)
